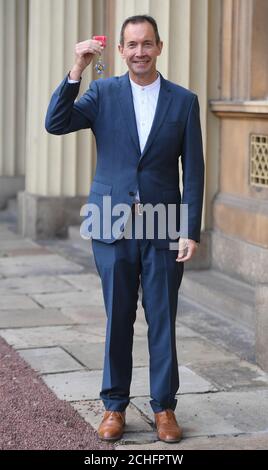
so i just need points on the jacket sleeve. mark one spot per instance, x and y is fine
(65, 115)
(193, 172)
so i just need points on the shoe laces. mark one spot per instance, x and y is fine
(116, 414)
(167, 416)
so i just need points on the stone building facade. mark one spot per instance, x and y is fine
(217, 48)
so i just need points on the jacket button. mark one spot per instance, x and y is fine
(131, 193)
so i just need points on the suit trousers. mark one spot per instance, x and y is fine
(123, 266)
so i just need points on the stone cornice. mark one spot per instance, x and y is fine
(235, 109)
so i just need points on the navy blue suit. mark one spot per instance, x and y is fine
(107, 108)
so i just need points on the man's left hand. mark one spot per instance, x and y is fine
(187, 248)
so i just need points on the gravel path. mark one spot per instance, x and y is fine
(32, 417)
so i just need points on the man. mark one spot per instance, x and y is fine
(142, 124)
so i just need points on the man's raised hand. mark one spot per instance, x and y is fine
(84, 53)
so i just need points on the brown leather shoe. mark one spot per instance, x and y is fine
(168, 429)
(112, 425)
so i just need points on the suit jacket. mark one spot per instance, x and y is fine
(107, 108)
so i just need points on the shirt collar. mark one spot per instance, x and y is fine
(150, 87)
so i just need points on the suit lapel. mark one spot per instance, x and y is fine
(127, 106)
(164, 99)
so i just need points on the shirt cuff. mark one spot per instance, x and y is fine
(73, 81)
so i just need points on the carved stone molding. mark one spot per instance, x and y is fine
(240, 109)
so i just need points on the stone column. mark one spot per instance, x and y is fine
(241, 206)
(261, 348)
(59, 168)
(13, 58)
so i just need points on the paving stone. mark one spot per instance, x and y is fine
(38, 250)
(49, 360)
(92, 411)
(195, 421)
(140, 352)
(6, 234)
(136, 438)
(84, 282)
(32, 317)
(185, 306)
(140, 328)
(197, 350)
(209, 414)
(256, 441)
(220, 331)
(37, 265)
(70, 299)
(67, 249)
(185, 332)
(141, 325)
(9, 245)
(33, 285)
(93, 315)
(75, 386)
(10, 302)
(86, 385)
(192, 382)
(49, 336)
(140, 382)
(92, 355)
(246, 409)
(235, 374)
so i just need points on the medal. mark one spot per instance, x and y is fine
(100, 66)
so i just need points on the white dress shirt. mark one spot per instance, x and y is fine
(145, 101)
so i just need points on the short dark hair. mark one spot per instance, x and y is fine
(139, 19)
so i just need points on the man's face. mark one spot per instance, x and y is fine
(140, 50)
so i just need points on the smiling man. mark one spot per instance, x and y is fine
(140, 46)
(143, 124)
